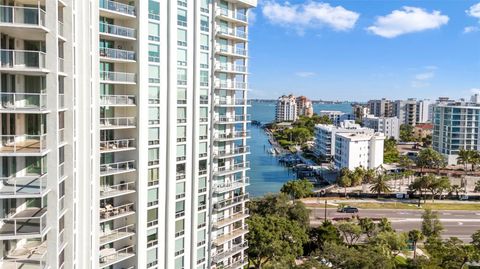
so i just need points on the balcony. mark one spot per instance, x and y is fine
(23, 145)
(23, 102)
(23, 187)
(231, 51)
(117, 123)
(117, 55)
(231, 185)
(232, 119)
(108, 191)
(221, 154)
(32, 255)
(22, 61)
(117, 100)
(117, 168)
(233, 16)
(116, 234)
(232, 33)
(232, 136)
(229, 202)
(118, 77)
(229, 252)
(224, 221)
(117, 7)
(27, 223)
(117, 31)
(237, 263)
(230, 68)
(221, 102)
(231, 85)
(117, 145)
(222, 239)
(110, 256)
(110, 212)
(22, 17)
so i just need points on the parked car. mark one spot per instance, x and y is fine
(348, 209)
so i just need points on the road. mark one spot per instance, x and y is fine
(458, 223)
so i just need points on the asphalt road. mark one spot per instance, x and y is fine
(456, 223)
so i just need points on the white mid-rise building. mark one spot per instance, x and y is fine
(325, 136)
(337, 117)
(390, 126)
(124, 133)
(286, 109)
(358, 150)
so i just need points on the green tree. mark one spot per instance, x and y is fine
(345, 179)
(406, 162)
(357, 176)
(421, 185)
(431, 225)
(380, 185)
(477, 186)
(429, 158)
(369, 175)
(415, 236)
(406, 133)
(476, 239)
(369, 228)
(297, 189)
(363, 256)
(390, 152)
(465, 157)
(395, 242)
(452, 253)
(455, 189)
(274, 239)
(350, 231)
(325, 233)
(384, 225)
(438, 185)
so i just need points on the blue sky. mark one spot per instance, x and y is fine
(365, 49)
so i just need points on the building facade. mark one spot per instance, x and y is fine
(325, 136)
(110, 176)
(390, 127)
(337, 117)
(304, 106)
(286, 109)
(455, 126)
(358, 150)
(381, 108)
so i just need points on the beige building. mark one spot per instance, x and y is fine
(304, 106)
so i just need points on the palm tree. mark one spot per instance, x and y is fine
(464, 157)
(379, 185)
(475, 159)
(357, 176)
(455, 189)
(369, 175)
(415, 236)
(345, 179)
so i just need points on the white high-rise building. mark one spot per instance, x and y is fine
(124, 130)
(286, 108)
(390, 126)
(358, 150)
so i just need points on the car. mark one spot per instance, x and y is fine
(349, 209)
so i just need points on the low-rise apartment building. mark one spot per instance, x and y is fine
(389, 126)
(354, 150)
(337, 117)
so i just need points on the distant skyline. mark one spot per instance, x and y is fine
(358, 50)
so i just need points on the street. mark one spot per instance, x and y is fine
(456, 223)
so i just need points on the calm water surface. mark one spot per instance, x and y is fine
(266, 175)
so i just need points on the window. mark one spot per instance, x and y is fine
(153, 176)
(204, 5)
(201, 251)
(153, 31)
(180, 190)
(179, 246)
(151, 253)
(153, 95)
(182, 57)
(152, 197)
(181, 152)
(181, 96)
(202, 148)
(152, 217)
(182, 37)
(204, 78)
(204, 23)
(153, 53)
(203, 114)
(203, 96)
(204, 42)
(201, 236)
(153, 156)
(182, 76)
(181, 133)
(203, 131)
(153, 115)
(153, 136)
(154, 74)
(203, 60)
(154, 10)
(179, 227)
(182, 17)
(202, 202)
(202, 184)
(202, 219)
(180, 208)
(179, 261)
(181, 114)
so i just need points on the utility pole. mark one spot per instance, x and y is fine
(325, 210)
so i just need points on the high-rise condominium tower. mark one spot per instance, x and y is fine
(123, 133)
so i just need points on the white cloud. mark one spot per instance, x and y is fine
(474, 11)
(425, 76)
(422, 79)
(252, 17)
(305, 74)
(408, 20)
(475, 90)
(309, 15)
(470, 29)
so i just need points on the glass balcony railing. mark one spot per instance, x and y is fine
(117, 30)
(231, 85)
(23, 101)
(117, 54)
(108, 211)
(231, 102)
(22, 59)
(24, 186)
(119, 77)
(231, 50)
(117, 100)
(109, 256)
(229, 252)
(232, 32)
(30, 221)
(23, 144)
(222, 239)
(22, 15)
(223, 170)
(117, 122)
(118, 7)
(118, 144)
(32, 254)
(231, 152)
(232, 119)
(118, 167)
(227, 67)
(118, 189)
(116, 234)
(231, 136)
